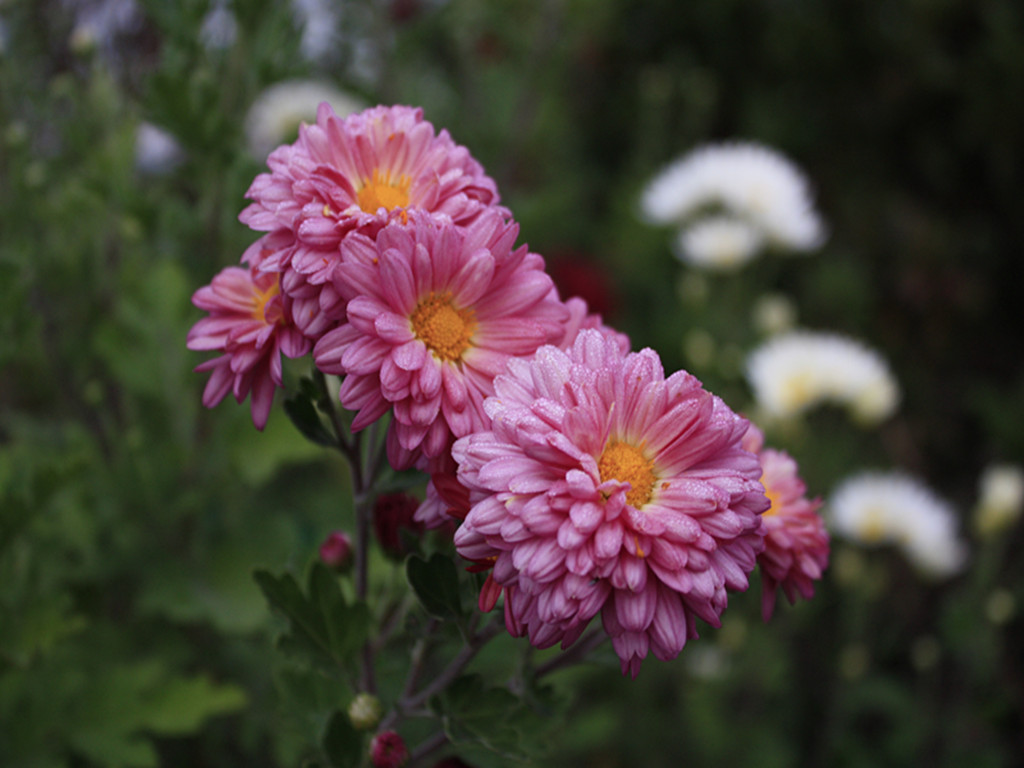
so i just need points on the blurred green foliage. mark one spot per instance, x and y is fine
(132, 632)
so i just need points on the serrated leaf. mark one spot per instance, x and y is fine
(308, 631)
(342, 743)
(324, 628)
(436, 584)
(347, 626)
(473, 713)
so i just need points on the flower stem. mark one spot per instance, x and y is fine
(364, 475)
(427, 747)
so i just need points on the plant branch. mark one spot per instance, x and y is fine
(427, 747)
(454, 668)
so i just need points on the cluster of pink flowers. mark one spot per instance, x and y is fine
(586, 481)
(796, 541)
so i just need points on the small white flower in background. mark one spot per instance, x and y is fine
(876, 508)
(773, 313)
(156, 151)
(318, 20)
(220, 28)
(99, 23)
(1000, 498)
(796, 371)
(748, 182)
(275, 116)
(719, 242)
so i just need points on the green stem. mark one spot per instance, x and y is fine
(364, 475)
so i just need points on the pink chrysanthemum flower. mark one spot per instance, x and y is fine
(250, 322)
(580, 317)
(434, 312)
(356, 174)
(796, 544)
(436, 510)
(601, 486)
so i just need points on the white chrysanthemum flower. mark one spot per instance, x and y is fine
(719, 242)
(156, 151)
(749, 181)
(892, 508)
(275, 116)
(796, 371)
(1000, 498)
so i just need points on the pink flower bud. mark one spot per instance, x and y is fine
(393, 513)
(336, 551)
(387, 750)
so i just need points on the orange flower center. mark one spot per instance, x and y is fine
(773, 499)
(381, 192)
(263, 296)
(444, 329)
(627, 464)
(872, 526)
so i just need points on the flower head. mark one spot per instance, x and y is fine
(580, 318)
(892, 508)
(796, 544)
(394, 513)
(721, 243)
(434, 311)
(388, 750)
(601, 486)
(356, 174)
(746, 181)
(250, 322)
(796, 371)
(365, 711)
(277, 113)
(1000, 498)
(157, 152)
(336, 551)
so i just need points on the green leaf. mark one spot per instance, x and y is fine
(303, 413)
(436, 584)
(139, 697)
(184, 703)
(323, 627)
(37, 627)
(489, 716)
(347, 626)
(342, 743)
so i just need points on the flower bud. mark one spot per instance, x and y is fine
(336, 551)
(392, 514)
(387, 750)
(364, 711)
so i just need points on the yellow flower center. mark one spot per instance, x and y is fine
(261, 297)
(627, 464)
(872, 528)
(773, 499)
(444, 329)
(381, 192)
